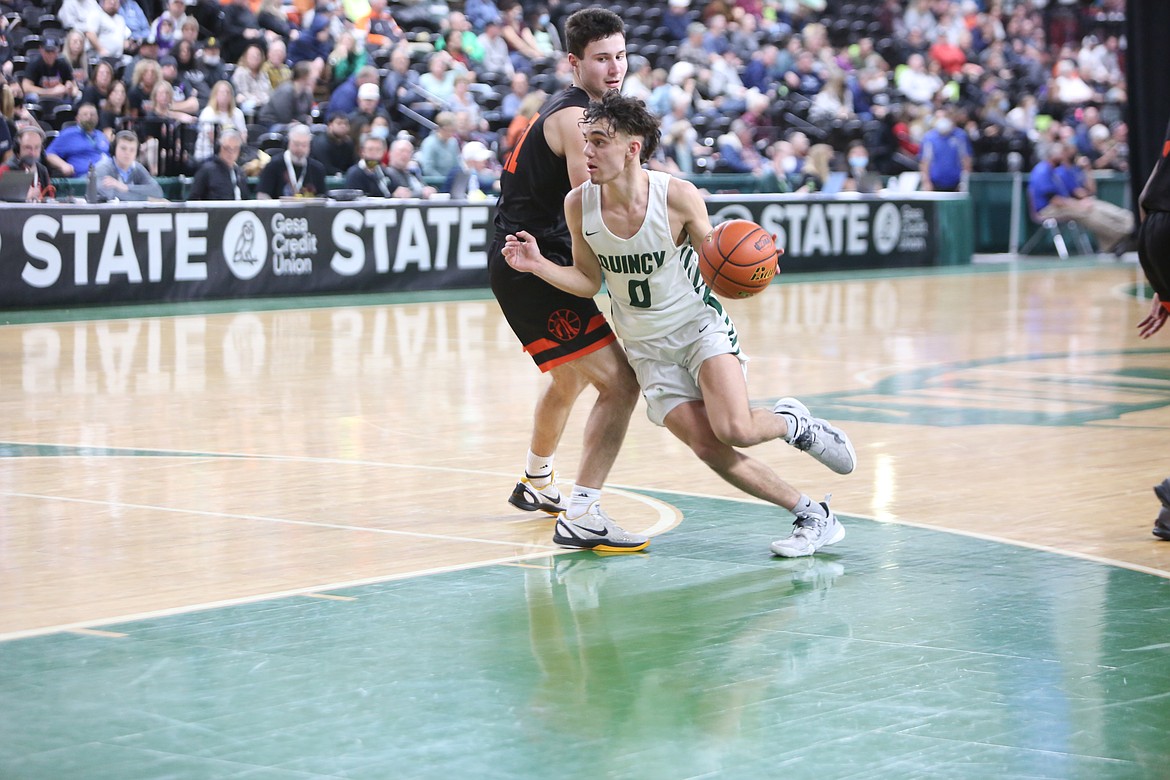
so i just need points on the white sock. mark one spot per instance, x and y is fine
(792, 424)
(539, 469)
(580, 499)
(807, 505)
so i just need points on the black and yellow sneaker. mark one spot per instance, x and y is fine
(595, 530)
(530, 498)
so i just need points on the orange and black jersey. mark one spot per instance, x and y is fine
(1157, 196)
(535, 180)
(1154, 234)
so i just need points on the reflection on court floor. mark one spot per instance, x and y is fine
(275, 543)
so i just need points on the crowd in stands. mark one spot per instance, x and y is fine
(405, 99)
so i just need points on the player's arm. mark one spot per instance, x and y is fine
(562, 133)
(1146, 189)
(688, 212)
(582, 278)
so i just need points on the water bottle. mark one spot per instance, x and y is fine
(91, 193)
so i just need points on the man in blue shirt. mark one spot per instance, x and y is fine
(945, 156)
(1044, 183)
(1061, 190)
(79, 147)
(122, 177)
(136, 23)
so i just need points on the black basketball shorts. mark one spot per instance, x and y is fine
(555, 327)
(1154, 251)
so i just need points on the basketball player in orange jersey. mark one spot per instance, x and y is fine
(565, 335)
(1154, 254)
(638, 229)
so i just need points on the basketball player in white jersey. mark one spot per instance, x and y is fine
(638, 229)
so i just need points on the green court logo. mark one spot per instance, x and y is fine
(1059, 389)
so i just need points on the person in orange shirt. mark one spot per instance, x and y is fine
(253, 4)
(382, 32)
(528, 107)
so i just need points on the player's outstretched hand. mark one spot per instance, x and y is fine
(1154, 320)
(521, 251)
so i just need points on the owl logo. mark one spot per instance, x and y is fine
(245, 245)
(887, 228)
(243, 250)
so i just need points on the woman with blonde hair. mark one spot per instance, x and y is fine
(75, 56)
(161, 121)
(346, 59)
(161, 105)
(147, 75)
(834, 101)
(220, 113)
(817, 166)
(253, 89)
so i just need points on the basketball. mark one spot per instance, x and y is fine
(738, 259)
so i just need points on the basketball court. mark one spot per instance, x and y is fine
(269, 539)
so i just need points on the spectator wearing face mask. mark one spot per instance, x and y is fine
(30, 142)
(369, 107)
(861, 178)
(945, 156)
(77, 148)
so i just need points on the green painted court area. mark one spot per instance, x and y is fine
(905, 653)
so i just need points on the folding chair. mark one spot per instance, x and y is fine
(1052, 230)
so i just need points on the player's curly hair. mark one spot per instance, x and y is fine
(626, 115)
(589, 25)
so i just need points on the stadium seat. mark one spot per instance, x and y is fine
(489, 100)
(643, 33)
(30, 43)
(272, 143)
(60, 115)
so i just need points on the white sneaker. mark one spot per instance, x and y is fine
(546, 499)
(595, 530)
(810, 532)
(827, 443)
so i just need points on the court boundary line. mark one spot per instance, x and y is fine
(634, 492)
(658, 527)
(270, 596)
(668, 517)
(1090, 557)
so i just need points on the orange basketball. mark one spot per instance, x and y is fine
(738, 259)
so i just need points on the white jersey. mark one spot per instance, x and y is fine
(654, 284)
